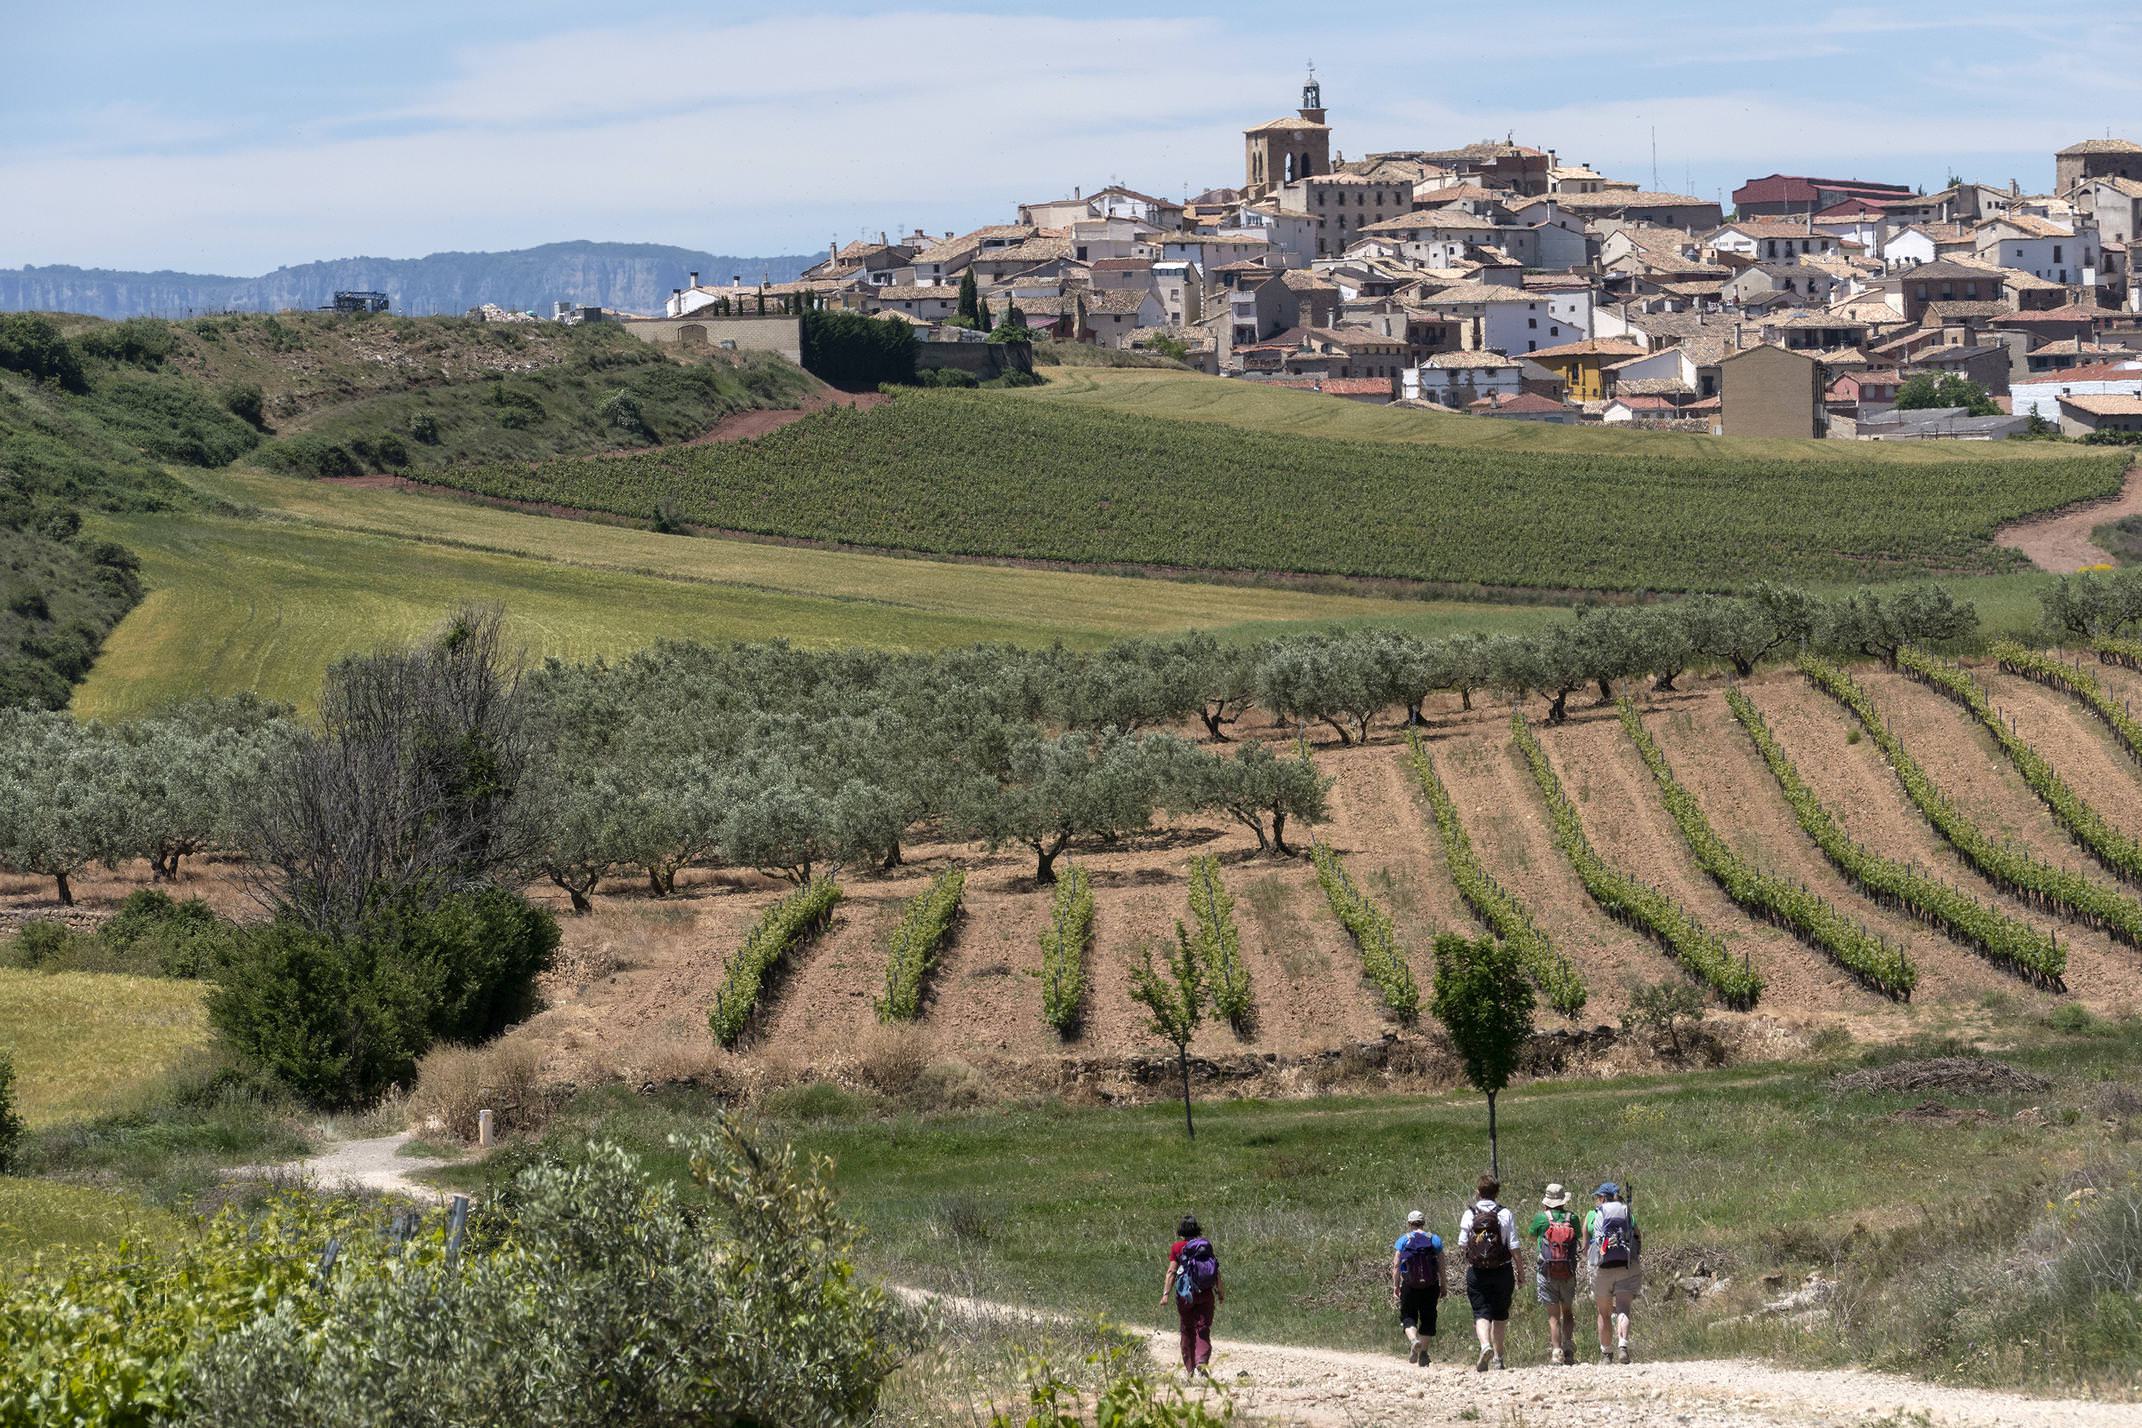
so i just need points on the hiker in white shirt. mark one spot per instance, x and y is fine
(1487, 1238)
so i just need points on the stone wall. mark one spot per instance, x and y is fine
(701, 330)
(984, 359)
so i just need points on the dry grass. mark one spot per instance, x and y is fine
(455, 1082)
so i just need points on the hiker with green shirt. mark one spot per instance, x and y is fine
(1558, 1244)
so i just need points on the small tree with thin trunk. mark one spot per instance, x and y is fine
(1484, 1001)
(1176, 1004)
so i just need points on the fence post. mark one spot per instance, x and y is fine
(484, 1135)
(457, 1222)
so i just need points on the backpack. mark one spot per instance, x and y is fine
(1197, 1269)
(1558, 1248)
(1417, 1267)
(1485, 1247)
(1618, 1239)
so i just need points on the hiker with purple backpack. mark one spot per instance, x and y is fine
(1417, 1284)
(1193, 1286)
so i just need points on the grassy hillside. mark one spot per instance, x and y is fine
(1005, 475)
(267, 601)
(84, 1041)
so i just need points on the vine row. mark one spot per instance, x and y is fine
(1634, 902)
(2120, 854)
(1063, 950)
(1490, 901)
(780, 930)
(2013, 871)
(2003, 940)
(1218, 943)
(1872, 959)
(2078, 683)
(925, 926)
(1370, 927)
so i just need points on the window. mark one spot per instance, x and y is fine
(2056, 253)
(1532, 322)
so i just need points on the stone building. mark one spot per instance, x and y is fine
(2096, 158)
(1285, 151)
(1769, 391)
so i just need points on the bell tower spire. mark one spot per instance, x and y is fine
(1312, 97)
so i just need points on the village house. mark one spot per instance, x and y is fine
(1582, 365)
(1766, 390)
(1458, 379)
(2084, 416)
(2040, 396)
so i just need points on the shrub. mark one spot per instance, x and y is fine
(35, 347)
(1666, 1011)
(174, 422)
(424, 427)
(517, 409)
(340, 1017)
(925, 927)
(592, 1293)
(168, 937)
(785, 927)
(10, 1122)
(946, 377)
(244, 401)
(315, 456)
(1218, 943)
(138, 341)
(1064, 943)
(620, 410)
(42, 944)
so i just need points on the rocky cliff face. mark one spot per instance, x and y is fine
(632, 277)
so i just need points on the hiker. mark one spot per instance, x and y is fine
(1487, 1234)
(1193, 1287)
(1557, 1246)
(1417, 1284)
(1613, 1247)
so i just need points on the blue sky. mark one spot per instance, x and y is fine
(232, 137)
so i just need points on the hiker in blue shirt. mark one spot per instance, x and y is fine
(1417, 1283)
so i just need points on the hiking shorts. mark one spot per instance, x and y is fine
(1416, 1308)
(1612, 1281)
(1557, 1292)
(1489, 1292)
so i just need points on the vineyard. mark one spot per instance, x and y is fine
(997, 475)
(1808, 849)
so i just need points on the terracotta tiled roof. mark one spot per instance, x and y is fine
(1117, 302)
(2100, 146)
(1444, 361)
(2106, 405)
(1286, 123)
(1519, 402)
(2098, 372)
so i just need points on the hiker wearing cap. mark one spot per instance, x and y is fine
(1487, 1235)
(1557, 1245)
(1193, 1286)
(1613, 1247)
(1417, 1284)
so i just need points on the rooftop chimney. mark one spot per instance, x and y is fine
(695, 277)
(736, 280)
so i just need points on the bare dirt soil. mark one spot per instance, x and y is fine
(2061, 542)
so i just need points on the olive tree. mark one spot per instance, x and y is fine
(63, 798)
(1870, 623)
(1070, 788)
(1261, 791)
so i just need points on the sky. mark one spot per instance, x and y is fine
(234, 136)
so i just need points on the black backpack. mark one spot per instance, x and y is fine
(1485, 1247)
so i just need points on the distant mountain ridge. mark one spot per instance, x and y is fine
(633, 277)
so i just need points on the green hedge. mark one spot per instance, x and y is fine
(785, 927)
(1872, 959)
(1630, 900)
(2040, 884)
(1371, 929)
(1494, 904)
(2001, 939)
(851, 350)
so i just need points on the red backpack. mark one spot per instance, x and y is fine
(1558, 1248)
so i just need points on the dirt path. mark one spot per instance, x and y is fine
(1329, 1388)
(376, 1164)
(2061, 541)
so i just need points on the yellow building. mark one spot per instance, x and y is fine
(1582, 365)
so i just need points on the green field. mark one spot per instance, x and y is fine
(47, 1216)
(84, 1042)
(266, 603)
(1011, 475)
(1750, 1170)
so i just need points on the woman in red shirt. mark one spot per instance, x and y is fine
(1193, 1285)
